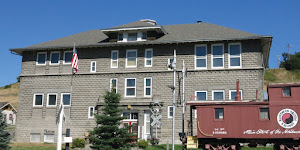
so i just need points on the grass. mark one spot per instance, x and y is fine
(10, 94)
(33, 146)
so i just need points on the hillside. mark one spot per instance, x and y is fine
(10, 93)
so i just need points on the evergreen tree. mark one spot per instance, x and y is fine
(108, 135)
(4, 135)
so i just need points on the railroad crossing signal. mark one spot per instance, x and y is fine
(156, 120)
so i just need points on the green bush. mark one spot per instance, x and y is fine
(142, 144)
(78, 143)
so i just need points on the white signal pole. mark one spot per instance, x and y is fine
(183, 102)
(59, 128)
(174, 84)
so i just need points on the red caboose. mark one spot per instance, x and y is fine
(225, 124)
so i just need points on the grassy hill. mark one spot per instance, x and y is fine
(10, 93)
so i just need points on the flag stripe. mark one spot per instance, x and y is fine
(74, 60)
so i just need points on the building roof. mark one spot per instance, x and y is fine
(280, 85)
(135, 24)
(3, 104)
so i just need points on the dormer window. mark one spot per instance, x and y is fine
(132, 37)
(120, 37)
(144, 36)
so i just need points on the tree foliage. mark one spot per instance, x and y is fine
(108, 135)
(4, 135)
(292, 63)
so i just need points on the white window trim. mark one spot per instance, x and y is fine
(212, 56)
(110, 84)
(130, 87)
(48, 100)
(49, 141)
(138, 38)
(151, 59)
(64, 57)
(201, 57)
(92, 66)
(196, 113)
(213, 91)
(61, 99)
(201, 91)
(131, 50)
(235, 91)
(148, 87)
(51, 58)
(169, 62)
(240, 56)
(37, 58)
(169, 112)
(34, 99)
(111, 60)
(89, 111)
(145, 122)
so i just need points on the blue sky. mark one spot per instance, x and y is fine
(25, 23)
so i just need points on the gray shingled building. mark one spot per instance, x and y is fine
(132, 59)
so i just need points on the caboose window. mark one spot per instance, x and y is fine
(286, 91)
(264, 113)
(219, 113)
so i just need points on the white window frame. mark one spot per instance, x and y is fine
(234, 56)
(111, 60)
(34, 141)
(125, 36)
(201, 91)
(169, 112)
(65, 56)
(213, 91)
(200, 57)
(148, 87)
(47, 140)
(131, 50)
(37, 58)
(92, 66)
(230, 91)
(89, 111)
(146, 50)
(35, 97)
(170, 62)
(61, 99)
(48, 100)
(130, 87)
(145, 122)
(110, 83)
(51, 58)
(212, 56)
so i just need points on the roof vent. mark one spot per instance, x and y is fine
(199, 21)
(153, 22)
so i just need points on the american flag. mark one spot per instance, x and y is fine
(74, 60)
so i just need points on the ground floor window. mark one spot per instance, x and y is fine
(35, 137)
(49, 138)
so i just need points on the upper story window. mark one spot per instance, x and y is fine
(93, 66)
(148, 57)
(38, 99)
(51, 100)
(219, 113)
(130, 87)
(132, 37)
(234, 58)
(232, 94)
(54, 58)
(170, 61)
(218, 95)
(170, 111)
(200, 56)
(41, 58)
(114, 58)
(113, 85)
(91, 112)
(148, 87)
(68, 57)
(120, 37)
(286, 91)
(144, 35)
(217, 55)
(66, 99)
(201, 95)
(131, 58)
(264, 113)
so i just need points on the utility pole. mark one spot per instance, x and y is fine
(183, 102)
(174, 84)
(278, 60)
(289, 46)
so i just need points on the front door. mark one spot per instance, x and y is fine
(131, 120)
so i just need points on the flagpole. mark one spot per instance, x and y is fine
(59, 129)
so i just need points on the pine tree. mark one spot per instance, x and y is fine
(4, 135)
(108, 135)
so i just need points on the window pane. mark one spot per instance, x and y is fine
(171, 111)
(148, 62)
(120, 37)
(35, 137)
(134, 116)
(38, 99)
(147, 127)
(218, 50)
(114, 55)
(68, 57)
(91, 111)
(218, 62)
(130, 91)
(219, 113)
(201, 62)
(218, 96)
(131, 54)
(54, 58)
(235, 61)
(264, 113)
(201, 51)
(130, 82)
(52, 100)
(144, 36)
(126, 115)
(148, 82)
(286, 91)
(234, 50)
(148, 91)
(201, 95)
(41, 58)
(49, 138)
(148, 54)
(233, 94)
(114, 63)
(171, 60)
(131, 62)
(66, 99)
(132, 37)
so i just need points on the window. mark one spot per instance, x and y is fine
(38, 100)
(200, 56)
(219, 113)
(147, 123)
(41, 58)
(217, 55)
(218, 95)
(170, 111)
(232, 94)
(54, 58)
(201, 95)
(148, 87)
(93, 66)
(114, 58)
(130, 115)
(68, 57)
(264, 113)
(170, 61)
(51, 99)
(234, 59)
(130, 87)
(144, 36)
(286, 91)
(49, 138)
(120, 37)
(131, 60)
(113, 85)
(132, 37)
(35, 137)
(91, 112)
(66, 99)
(148, 57)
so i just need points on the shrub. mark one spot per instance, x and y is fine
(78, 143)
(142, 144)
(7, 86)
